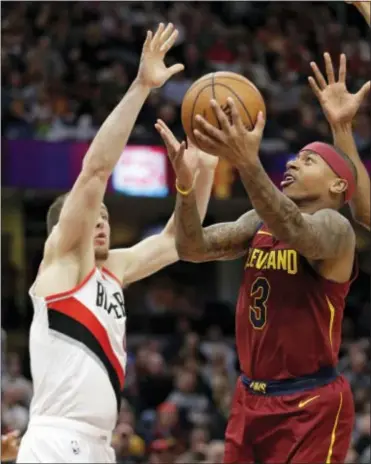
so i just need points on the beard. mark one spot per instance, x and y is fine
(101, 254)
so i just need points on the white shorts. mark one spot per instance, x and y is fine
(58, 440)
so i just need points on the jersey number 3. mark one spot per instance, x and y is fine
(259, 295)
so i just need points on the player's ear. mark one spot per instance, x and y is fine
(338, 186)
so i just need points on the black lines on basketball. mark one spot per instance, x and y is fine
(218, 84)
(214, 98)
(213, 85)
(235, 79)
(208, 85)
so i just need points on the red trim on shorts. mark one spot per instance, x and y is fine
(77, 311)
(73, 290)
(112, 275)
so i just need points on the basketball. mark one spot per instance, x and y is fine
(220, 86)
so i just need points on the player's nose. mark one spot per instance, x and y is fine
(100, 223)
(292, 164)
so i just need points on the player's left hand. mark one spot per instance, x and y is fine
(186, 159)
(232, 141)
(9, 446)
(152, 72)
(339, 105)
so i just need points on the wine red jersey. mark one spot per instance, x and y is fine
(288, 317)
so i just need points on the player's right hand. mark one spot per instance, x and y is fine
(152, 70)
(9, 446)
(339, 105)
(233, 141)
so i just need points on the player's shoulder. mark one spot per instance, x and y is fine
(331, 225)
(330, 218)
(58, 272)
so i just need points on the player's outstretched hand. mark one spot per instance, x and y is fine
(232, 141)
(185, 162)
(9, 446)
(152, 71)
(185, 158)
(339, 105)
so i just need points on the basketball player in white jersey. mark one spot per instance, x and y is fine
(77, 337)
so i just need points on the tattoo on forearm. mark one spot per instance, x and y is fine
(318, 236)
(219, 241)
(189, 235)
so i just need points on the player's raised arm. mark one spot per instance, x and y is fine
(364, 7)
(219, 242)
(323, 235)
(81, 208)
(195, 243)
(156, 252)
(340, 108)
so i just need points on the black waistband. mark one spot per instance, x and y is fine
(287, 386)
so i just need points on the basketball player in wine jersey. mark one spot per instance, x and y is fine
(290, 403)
(77, 337)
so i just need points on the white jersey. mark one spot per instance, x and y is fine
(77, 351)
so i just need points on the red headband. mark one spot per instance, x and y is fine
(336, 162)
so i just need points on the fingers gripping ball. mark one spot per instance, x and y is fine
(220, 86)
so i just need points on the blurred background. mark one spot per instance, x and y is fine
(64, 67)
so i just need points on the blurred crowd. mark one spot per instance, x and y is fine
(66, 64)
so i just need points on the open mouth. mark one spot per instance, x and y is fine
(288, 179)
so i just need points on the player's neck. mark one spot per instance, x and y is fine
(311, 206)
(99, 264)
